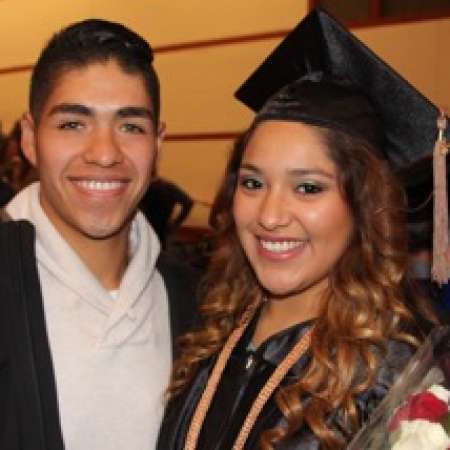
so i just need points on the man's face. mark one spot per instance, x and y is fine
(95, 147)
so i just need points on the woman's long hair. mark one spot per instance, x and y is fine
(365, 306)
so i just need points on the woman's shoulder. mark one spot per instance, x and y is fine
(396, 357)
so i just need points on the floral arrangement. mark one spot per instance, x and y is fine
(422, 422)
(415, 415)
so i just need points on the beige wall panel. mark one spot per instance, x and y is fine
(198, 86)
(27, 24)
(413, 49)
(197, 167)
(198, 217)
(13, 98)
(164, 21)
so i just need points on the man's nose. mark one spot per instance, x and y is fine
(104, 148)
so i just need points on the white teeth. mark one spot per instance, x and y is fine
(93, 185)
(280, 246)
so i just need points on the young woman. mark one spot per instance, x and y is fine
(305, 323)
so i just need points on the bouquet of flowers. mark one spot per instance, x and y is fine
(415, 414)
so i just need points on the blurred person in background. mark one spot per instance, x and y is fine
(16, 170)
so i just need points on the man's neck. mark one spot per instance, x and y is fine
(106, 259)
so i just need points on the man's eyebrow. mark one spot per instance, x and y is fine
(71, 108)
(124, 112)
(135, 111)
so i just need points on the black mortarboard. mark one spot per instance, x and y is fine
(321, 74)
(335, 80)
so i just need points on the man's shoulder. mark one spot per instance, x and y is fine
(4, 215)
(17, 238)
(10, 225)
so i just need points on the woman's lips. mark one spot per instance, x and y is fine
(280, 248)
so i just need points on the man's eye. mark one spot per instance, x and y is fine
(309, 188)
(132, 128)
(70, 125)
(250, 183)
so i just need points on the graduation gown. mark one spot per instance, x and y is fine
(245, 374)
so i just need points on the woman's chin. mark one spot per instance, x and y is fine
(280, 290)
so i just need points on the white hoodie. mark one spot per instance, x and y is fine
(111, 356)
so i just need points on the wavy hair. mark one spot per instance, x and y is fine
(364, 308)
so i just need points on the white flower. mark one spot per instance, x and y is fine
(440, 392)
(420, 435)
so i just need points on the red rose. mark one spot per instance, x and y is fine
(419, 406)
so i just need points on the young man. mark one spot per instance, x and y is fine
(85, 333)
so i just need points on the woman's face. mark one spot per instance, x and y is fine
(291, 218)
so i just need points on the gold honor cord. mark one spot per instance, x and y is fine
(272, 383)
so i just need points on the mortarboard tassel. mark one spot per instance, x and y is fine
(440, 232)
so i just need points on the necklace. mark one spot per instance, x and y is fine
(261, 399)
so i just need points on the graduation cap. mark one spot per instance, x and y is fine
(321, 74)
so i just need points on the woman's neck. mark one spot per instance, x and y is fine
(280, 313)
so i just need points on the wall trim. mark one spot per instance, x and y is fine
(207, 136)
(218, 42)
(16, 69)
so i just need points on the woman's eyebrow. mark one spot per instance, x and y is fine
(312, 171)
(295, 172)
(251, 167)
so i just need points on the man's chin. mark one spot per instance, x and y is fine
(99, 232)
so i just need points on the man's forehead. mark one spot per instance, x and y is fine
(99, 86)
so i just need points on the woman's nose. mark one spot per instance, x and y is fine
(274, 211)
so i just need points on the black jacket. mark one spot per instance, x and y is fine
(29, 416)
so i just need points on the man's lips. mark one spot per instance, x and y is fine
(97, 185)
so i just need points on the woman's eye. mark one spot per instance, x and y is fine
(309, 188)
(250, 183)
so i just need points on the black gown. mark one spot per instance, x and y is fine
(245, 374)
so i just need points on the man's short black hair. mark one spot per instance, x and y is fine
(86, 42)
